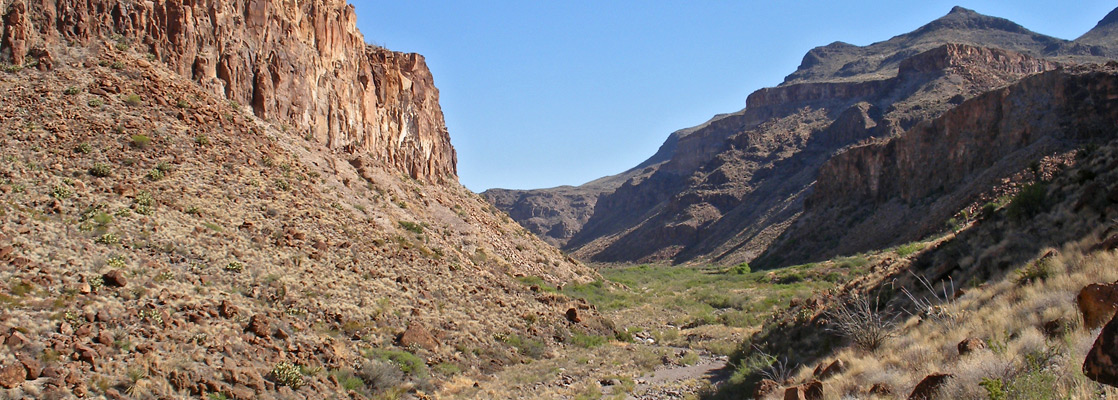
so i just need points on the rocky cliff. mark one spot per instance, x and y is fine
(733, 186)
(903, 189)
(299, 64)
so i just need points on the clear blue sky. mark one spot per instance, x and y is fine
(546, 93)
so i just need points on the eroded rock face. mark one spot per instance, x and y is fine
(301, 64)
(1100, 364)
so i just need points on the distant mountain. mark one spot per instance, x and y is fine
(734, 186)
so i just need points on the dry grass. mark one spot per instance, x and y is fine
(1008, 314)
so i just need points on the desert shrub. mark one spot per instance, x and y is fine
(61, 192)
(1034, 271)
(141, 141)
(348, 380)
(234, 267)
(527, 347)
(108, 238)
(287, 374)
(100, 170)
(741, 269)
(587, 341)
(72, 90)
(863, 320)
(909, 249)
(411, 227)
(132, 100)
(96, 102)
(83, 148)
(155, 175)
(1030, 201)
(202, 140)
(408, 363)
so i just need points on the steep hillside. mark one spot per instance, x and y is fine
(903, 189)
(735, 185)
(192, 204)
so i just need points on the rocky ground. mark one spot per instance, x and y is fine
(159, 241)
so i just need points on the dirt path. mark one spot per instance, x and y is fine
(676, 381)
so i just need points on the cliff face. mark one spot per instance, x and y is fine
(299, 64)
(903, 189)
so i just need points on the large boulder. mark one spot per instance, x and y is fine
(417, 336)
(1097, 302)
(928, 387)
(1101, 364)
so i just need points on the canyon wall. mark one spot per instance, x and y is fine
(299, 64)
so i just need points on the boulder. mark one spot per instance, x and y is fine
(259, 325)
(572, 315)
(12, 375)
(115, 278)
(970, 345)
(1097, 302)
(928, 387)
(882, 389)
(765, 388)
(417, 336)
(836, 367)
(1101, 364)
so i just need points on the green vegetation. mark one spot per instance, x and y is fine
(234, 267)
(411, 227)
(141, 141)
(408, 363)
(704, 295)
(101, 170)
(132, 100)
(202, 140)
(1030, 201)
(527, 347)
(72, 90)
(288, 374)
(587, 341)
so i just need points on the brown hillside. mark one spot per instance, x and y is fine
(161, 239)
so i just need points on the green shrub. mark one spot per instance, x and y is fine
(411, 227)
(108, 238)
(155, 174)
(408, 363)
(61, 192)
(287, 374)
(183, 104)
(1035, 271)
(96, 102)
(132, 100)
(118, 65)
(525, 346)
(587, 341)
(100, 170)
(234, 267)
(141, 141)
(741, 269)
(83, 148)
(202, 140)
(1030, 201)
(72, 90)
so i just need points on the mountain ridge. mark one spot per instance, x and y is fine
(695, 206)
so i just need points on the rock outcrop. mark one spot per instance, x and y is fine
(303, 65)
(902, 189)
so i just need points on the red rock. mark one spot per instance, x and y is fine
(417, 336)
(1097, 302)
(259, 325)
(572, 315)
(1101, 363)
(970, 345)
(836, 367)
(12, 375)
(115, 278)
(33, 366)
(882, 390)
(228, 310)
(794, 393)
(765, 388)
(928, 387)
(16, 340)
